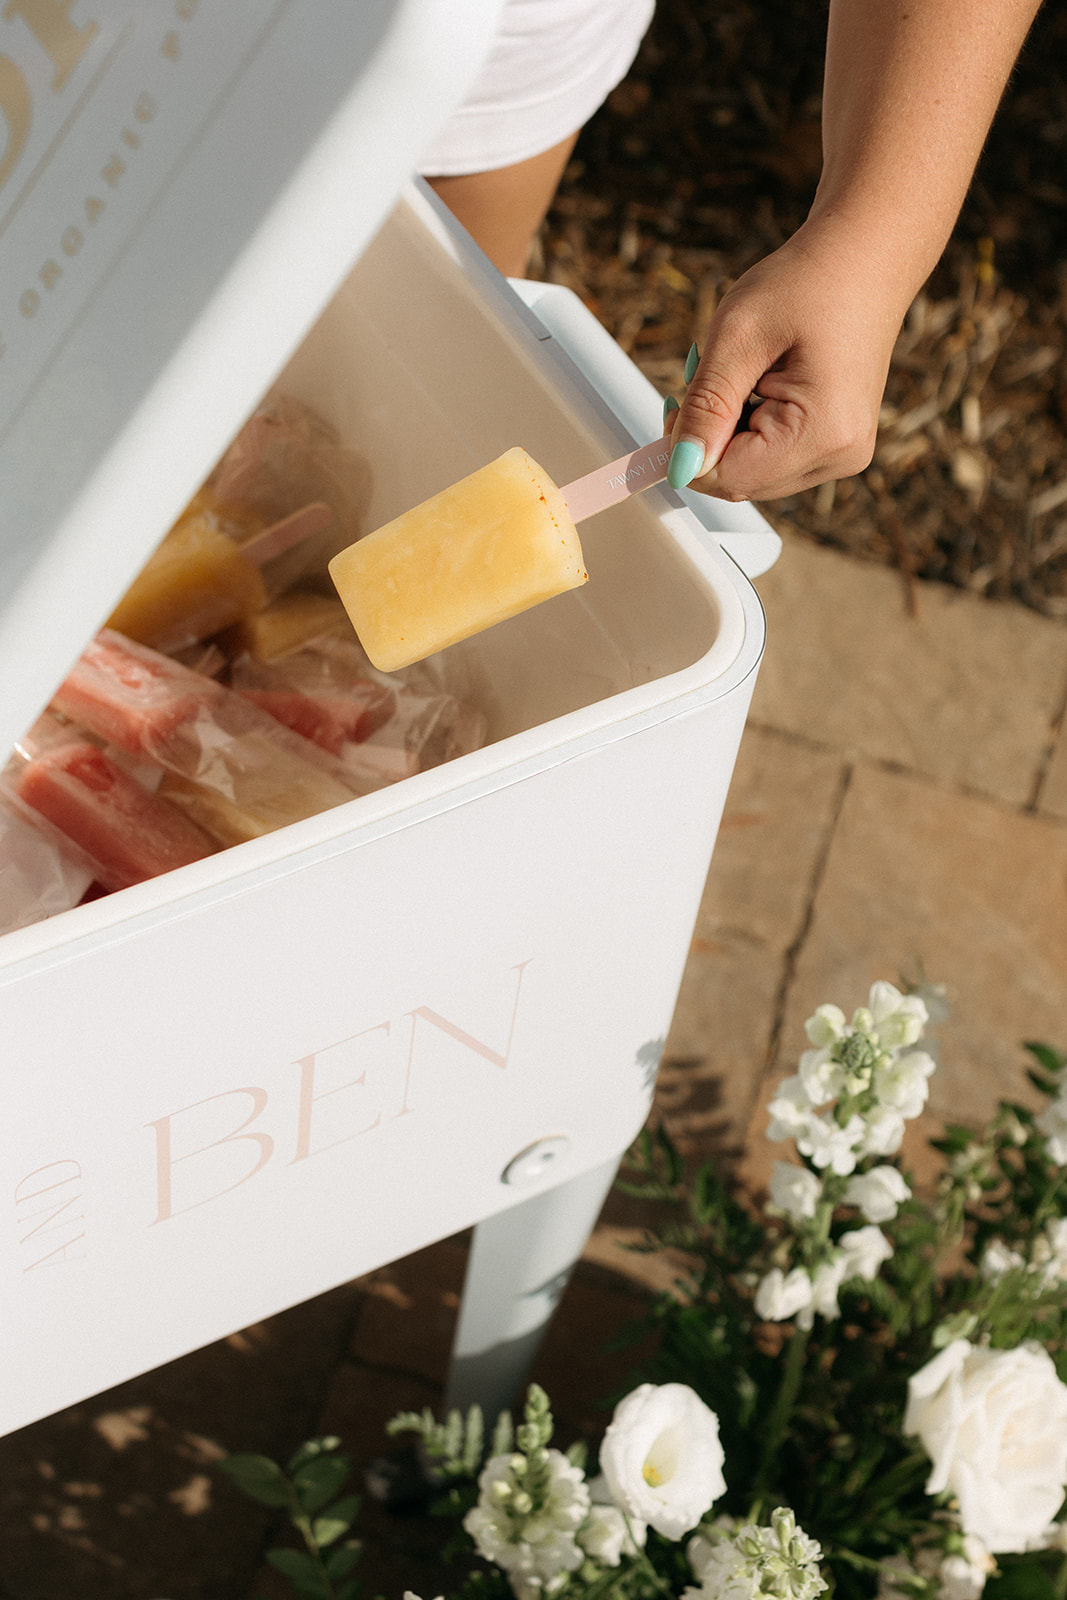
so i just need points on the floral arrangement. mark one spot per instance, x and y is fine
(854, 1388)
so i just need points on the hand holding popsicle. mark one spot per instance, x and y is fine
(485, 549)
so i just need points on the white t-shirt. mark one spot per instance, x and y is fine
(552, 64)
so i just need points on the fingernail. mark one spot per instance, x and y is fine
(687, 458)
(669, 405)
(692, 361)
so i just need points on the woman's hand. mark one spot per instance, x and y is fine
(811, 335)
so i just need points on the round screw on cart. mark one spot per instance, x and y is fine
(533, 1162)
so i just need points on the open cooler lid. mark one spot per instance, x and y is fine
(183, 186)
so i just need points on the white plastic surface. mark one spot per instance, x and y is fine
(184, 184)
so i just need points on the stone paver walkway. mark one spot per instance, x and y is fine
(899, 807)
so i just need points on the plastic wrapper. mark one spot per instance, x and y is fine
(41, 872)
(124, 831)
(233, 768)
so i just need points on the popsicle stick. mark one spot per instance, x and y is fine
(609, 485)
(282, 536)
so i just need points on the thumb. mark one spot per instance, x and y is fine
(719, 387)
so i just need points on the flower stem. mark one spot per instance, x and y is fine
(782, 1410)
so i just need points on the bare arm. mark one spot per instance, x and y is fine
(911, 88)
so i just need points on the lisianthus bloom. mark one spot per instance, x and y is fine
(662, 1458)
(994, 1424)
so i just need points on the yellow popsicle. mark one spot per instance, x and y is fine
(488, 547)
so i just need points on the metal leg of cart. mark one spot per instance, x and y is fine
(519, 1265)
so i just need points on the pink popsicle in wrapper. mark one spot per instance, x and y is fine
(234, 769)
(128, 833)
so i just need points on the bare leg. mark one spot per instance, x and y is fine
(502, 210)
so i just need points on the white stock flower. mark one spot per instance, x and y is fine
(994, 1424)
(780, 1296)
(831, 1146)
(864, 1250)
(902, 1083)
(999, 1259)
(878, 1193)
(823, 1078)
(885, 1132)
(1053, 1124)
(662, 1458)
(825, 1284)
(898, 1018)
(825, 1026)
(789, 1110)
(794, 1190)
(1050, 1252)
(534, 1547)
(962, 1575)
(604, 1534)
(752, 1562)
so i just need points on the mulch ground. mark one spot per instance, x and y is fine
(706, 158)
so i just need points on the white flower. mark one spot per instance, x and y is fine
(878, 1193)
(898, 1018)
(779, 1297)
(864, 1250)
(535, 1545)
(662, 1458)
(752, 1562)
(788, 1110)
(1053, 1124)
(963, 1576)
(604, 1534)
(831, 1146)
(994, 1424)
(1053, 1538)
(885, 1132)
(725, 1575)
(902, 1082)
(826, 1026)
(822, 1077)
(998, 1259)
(827, 1281)
(1050, 1252)
(794, 1190)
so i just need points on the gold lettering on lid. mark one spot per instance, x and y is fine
(16, 106)
(93, 207)
(71, 240)
(454, 1031)
(29, 301)
(171, 46)
(187, 9)
(166, 1161)
(50, 274)
(308, 1098)
(55, 33)
(144, 107)
(113, 171)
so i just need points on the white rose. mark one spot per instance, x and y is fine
(794, 1190)
(662, 1458)
(902, 1082)
(822, 1078)
(885, 1132)
(864, 1250)
(831, 1146)
(994, 1424)
(825, 1026)
(1053, 1124)
(779, 1297)
(788, 1110)
(878, 1193)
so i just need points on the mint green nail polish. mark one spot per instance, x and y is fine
(692, 361)
(687, 458)
(669, 405)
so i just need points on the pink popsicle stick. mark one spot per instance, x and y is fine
(607, 486)
(281, 536)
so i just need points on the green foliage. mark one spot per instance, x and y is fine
(308, 1488)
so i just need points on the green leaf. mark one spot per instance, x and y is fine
(258, 1477)
(319, 1480)
(296, 1565)
(1052, 1060)
(1022, 1580)
(348, 1591)
(311, 1449)
(339, 1562)
(335, 1521)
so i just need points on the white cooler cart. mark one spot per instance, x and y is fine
(233, 1087)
